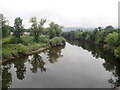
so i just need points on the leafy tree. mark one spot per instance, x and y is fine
(5, 28)
(112, 39)
(18, 28)
(55, 30)
(100, 37)
(37, 27)
(100, 28)
(117, 52)
(109, 27)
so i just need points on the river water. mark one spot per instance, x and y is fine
(72, 66)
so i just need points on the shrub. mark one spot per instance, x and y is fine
(14, 40)
(57, 41)
(43, 39)
(6, 40)
(26, 40)
(21, 48)
(12, 50)
(6, 52)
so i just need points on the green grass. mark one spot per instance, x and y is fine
(12, 49)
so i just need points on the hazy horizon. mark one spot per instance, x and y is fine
(69, 13)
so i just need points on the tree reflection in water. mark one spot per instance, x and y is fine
(37, 62)
(54, 54)
(6, 76)
(111, 63)
(21, 70)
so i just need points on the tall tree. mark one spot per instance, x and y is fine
(18, 28)
(37, 27)
(55, 30)
(5, 27)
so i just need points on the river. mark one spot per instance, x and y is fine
(76, 65)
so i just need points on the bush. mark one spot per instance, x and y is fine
(57, 41)
(21, 48)
(6, 52)
(43, 39)
(26, 40)
(14, 40)
(12, 50)
(6, 40)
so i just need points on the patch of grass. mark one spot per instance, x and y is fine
(26, 40)
(6, 40)
(13, 50)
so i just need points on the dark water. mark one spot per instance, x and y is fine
(73, 66)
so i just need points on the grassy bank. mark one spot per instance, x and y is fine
(27, 46)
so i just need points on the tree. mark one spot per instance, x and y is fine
(5, 28)
(55, 30)
(18, 28)
(100, 28)
(109, 27)
(36, 27)
(112, 39)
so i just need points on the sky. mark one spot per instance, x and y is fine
(69, 13)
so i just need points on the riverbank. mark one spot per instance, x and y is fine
(107, 38)
(83, 44)
(24, 54)
(27, 54)
(12, 51)
(56, 61)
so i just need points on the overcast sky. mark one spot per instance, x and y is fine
(70, 13)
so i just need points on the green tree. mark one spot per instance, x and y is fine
(117, 52)
(100, 28)
(109, 27)
(55, 30)
(37, 27)
(18, 29)
(5, 28)
(112, 39)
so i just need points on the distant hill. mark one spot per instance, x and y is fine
(65, 29)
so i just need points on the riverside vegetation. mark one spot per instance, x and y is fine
(108, 38)
(18, 43)
(37, 37)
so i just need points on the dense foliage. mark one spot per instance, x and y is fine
(18, 29)
(57, 41)
(108, 38)
(36, 28)
(17, 40)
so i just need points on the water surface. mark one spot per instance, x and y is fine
(72, 66)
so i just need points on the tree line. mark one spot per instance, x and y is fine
(107, 37)
(36, 29)
(15, 42)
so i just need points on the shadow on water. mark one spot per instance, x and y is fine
(37, 62)
(111, 63)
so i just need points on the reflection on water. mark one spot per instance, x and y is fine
(6, 77)
(26, 68)
(111, 63)
(36, 61)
